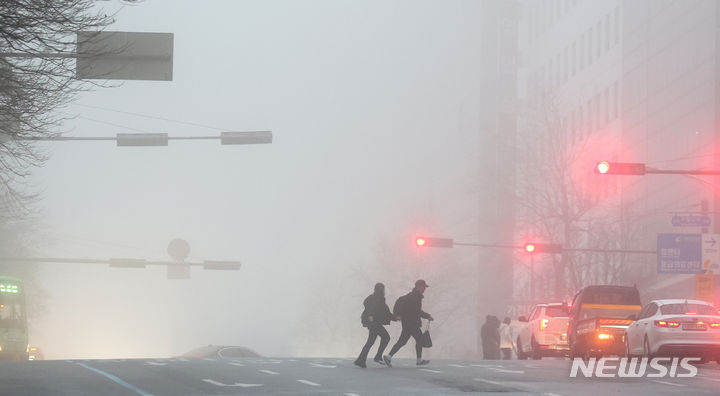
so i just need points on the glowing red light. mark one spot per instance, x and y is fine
(420, 241)
(603, 167)
(529, 247)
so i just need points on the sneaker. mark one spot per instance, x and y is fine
(388, 360)
(360, 364)
(423, 362)
(379, 361)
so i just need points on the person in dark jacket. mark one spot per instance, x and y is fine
(490, 335)
(374, 317)
(409, 310)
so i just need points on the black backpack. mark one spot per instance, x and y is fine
(399, 307)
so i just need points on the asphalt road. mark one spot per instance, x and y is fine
(296, 376)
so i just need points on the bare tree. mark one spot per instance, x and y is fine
(560, 201)
(37, 77)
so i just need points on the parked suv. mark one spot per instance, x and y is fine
(544, 332)
(598, 319)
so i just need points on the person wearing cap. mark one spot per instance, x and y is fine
(409, 310)
(374, 317)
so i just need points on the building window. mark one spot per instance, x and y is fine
(581, 51)
(589, 46)
(615, 100)
(607, 32)
(598, 32)
(565, 65)
(617, 25)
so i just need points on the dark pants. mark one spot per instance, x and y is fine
(407, 332)
(507, 353)
(375, 330)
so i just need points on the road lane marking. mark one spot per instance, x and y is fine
(322, 365)
(156, 364)
(669, 383)
(306, 382)
(499, 370)
(351, 394)
(236, 364)
(456, 365)
(268, 372)
(430, 371)
(490, 382)
(183, 360)
(485, 365)
(115, 379)
(551, 394)
(239, 384)
(209, 360)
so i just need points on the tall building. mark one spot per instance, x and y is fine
(628, 81)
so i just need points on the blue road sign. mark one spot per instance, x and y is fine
(691, 220)
(679, 253)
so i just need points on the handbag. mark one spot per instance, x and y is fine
(426, 339)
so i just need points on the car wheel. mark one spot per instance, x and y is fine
(520, 354)
(536, 351)
(627, 349)
(646, 348)
(577, 351)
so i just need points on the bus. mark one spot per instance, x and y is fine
(13, 320)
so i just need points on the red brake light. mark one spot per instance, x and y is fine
(715, 325)
(420, 241)
(664, 323)
(544, 324)
(529, 247)
(690, 313)
(604, 336)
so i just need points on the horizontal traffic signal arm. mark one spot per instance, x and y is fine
(637, 168)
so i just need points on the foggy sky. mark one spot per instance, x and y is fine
(374, 111)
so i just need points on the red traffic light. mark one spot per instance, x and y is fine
(620, 168)
(434, 242)
(532, 247)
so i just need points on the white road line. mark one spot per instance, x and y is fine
(239, 384)
(209, 360)
(430, 371)
(490, 382)
(711, 379)
(236, 364)
(499, 370)
(156, 364)
(292, 360)
(182, 359)
(485, 365)
(551, 394)
(306, 382)
(669, 383)
(456, 365)
(322, 365)
(351, 394)
(268, 372)
(115, 379)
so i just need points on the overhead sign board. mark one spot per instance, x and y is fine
(710, 252)
(679, 253)
(691, 220)
(124, 56)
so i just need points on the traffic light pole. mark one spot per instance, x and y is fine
(532, 278)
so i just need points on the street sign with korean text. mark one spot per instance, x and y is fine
(710, 252)
(679, 253)
(691, 220)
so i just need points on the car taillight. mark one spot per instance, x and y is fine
(604, 336)
(715, 325)
(664, 323)
(544, 324)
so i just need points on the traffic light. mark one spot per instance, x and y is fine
(532, 247)
(434, 242)
(620, 168)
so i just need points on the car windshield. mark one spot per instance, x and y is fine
(682, 308)
(555, 312)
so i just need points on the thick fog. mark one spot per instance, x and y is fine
(374, 109)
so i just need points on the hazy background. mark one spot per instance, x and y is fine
(374, 111)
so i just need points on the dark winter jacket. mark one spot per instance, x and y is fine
(376, 307)
(490, 336)
(409, 308)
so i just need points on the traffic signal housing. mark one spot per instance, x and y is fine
(620, 168)
(434, 242)
(533, 248)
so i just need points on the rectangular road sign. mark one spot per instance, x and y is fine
(124, 56)
(691, 220)
(711, 252)
(679, 253)
(705, 287)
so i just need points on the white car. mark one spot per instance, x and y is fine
(675, 328)
(544, 332)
